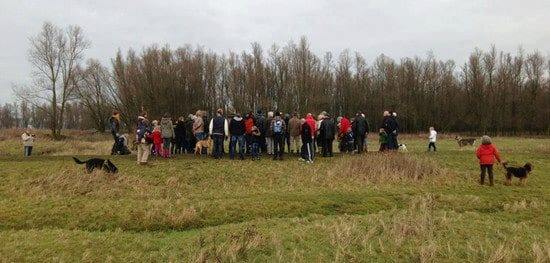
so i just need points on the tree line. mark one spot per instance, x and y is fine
(492, 92)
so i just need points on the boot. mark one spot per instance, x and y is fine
(491, 180)
(482, 179)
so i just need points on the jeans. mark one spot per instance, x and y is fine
(278, 145)
(27, 150)
(200, 136)
(218, 145)
(269, 144)
(255, 150)
(233, 143)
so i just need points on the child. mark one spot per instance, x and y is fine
(432, 138)
(256, 136)
(487, 153)
(383, 139)
(157, 139)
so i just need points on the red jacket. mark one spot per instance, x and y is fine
(157, 137)
(345, 125)
(311, 122)
(248, 124)
(487, 153)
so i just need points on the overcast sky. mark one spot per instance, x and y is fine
(451, 29)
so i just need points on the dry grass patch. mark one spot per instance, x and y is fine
(389, 168)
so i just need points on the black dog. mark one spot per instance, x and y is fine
(91, 164)
(519, 172)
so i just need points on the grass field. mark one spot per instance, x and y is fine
(402, 207)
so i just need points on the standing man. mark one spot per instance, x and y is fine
(294, 128)
(269, 133)
(262, 126)
(388, 124)
(360, 130)
(327, 133)
(278, 133)
(237, 130)
(219, 130)
(143, 139)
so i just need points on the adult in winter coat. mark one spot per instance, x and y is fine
(167, 131)
(198, 126)
(269, 133)
(345, 135)
(360, 129)
(277, 129)
(287, 132)
(294, 129)
(28, 141)
(307, 152)
(219, 130)
(179, 133)
(190, 139)
(487, 153)
(390, 126)
(327, 133)
(143, 139)
(237, 130)
(115, 128)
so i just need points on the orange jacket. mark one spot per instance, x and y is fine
(487, 153)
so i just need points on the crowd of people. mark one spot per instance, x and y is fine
(255, 134)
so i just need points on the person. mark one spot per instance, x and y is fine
(167, 130)
(237, 131)
(487, 153)
(190, 139)
(390, 126)
(262, 125)
(313, 128)
(395, 127)
(327, 133)
(179, 134)
(307, 142)
(157, 139)
(383, 140)
(143, 139)
(218, 130)
(360, 129)
(287, 133)
(432, 138)
(345, 135)
(278, 132)
(114, 126)
(256, 139)
(28, 141)
(268, 133)
(294, 130)
(248, 124)
(198, 126)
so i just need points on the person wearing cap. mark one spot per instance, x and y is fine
(219, 130)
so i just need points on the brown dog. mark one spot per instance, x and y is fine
(464, 141)
(206, 143)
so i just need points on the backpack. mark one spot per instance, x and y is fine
(278, 127)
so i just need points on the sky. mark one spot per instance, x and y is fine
(450, 29)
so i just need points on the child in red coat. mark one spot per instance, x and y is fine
(487, 154)
(157, 140)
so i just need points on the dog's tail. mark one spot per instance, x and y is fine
(78, 161)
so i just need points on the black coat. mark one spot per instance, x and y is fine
(179, 130)
(236, 126)
(360, 125)
(328, 129)
(306, 133)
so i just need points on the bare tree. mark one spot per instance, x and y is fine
(54, 54)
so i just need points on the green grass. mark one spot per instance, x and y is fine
(413, 206)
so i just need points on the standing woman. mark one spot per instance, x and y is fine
(143, 139)
(167, 130)
(198, 126)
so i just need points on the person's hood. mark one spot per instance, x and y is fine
(141, 118)
(237, 118)
(165, 120)
(309, 117)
